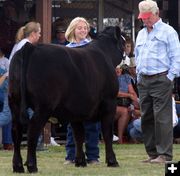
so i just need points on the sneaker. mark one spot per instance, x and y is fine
(53, 142)
(115, 138)
(68, 162)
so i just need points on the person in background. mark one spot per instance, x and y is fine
(77, 35)
(5, 118)
(126, 97)
(157, 54)
(134, 127)
(31, 33)
(60, 36)
(176, 129)
(129, 47)
(129, 51)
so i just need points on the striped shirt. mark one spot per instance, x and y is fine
(158, 51)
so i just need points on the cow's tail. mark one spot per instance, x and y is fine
(26, 53)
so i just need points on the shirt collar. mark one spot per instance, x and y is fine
(155, 25)
(82, 42)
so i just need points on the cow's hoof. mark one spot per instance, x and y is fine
(18, 169)
(32, 169)
(80, 164)
(113, 164)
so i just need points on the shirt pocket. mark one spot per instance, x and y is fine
(156, 45)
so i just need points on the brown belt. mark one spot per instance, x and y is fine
(158, 74)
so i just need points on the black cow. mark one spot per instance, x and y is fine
(75, 84)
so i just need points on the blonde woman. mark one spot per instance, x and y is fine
(28, 33)
(77, 34)
(31, 33)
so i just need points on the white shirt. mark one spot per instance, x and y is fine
(17, 47)
(125, 61)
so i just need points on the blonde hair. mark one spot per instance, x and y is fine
(26, 30)
(148, 6)
(69, 34)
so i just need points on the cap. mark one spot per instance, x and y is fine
(147, 8)
(144, 15)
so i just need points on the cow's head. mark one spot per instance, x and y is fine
(120, 41)
(118, 47)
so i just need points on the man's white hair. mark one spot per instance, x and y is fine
(148, 6)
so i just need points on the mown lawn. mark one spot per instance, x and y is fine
(50, 163)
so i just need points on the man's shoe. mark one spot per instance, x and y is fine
(148, 160)
(161, 159)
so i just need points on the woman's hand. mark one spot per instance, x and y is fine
(3, 77)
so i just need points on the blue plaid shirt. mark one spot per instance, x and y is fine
(158, 51)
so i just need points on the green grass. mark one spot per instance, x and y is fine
(50, 163)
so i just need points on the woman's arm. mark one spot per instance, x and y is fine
(2, 78)
(124, 94)
(130, 94)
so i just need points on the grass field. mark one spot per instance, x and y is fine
(50, 163)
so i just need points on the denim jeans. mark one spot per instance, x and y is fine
(5, 115)
(92, 131)
(1, 99)
(135, 130)
(5, 119)
(6, 134)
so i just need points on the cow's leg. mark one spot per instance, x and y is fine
(35, 127)
(108, 113)
(78, 132)
(17, 131)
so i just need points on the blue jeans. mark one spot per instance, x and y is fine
(6, 134)
(5, 119)
(1, 99)
(92, 131)
(5, 114)
(135, 130)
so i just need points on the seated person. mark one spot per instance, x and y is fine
(126, 96)
(134, 127)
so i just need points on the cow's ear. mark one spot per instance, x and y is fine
(117, 33)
